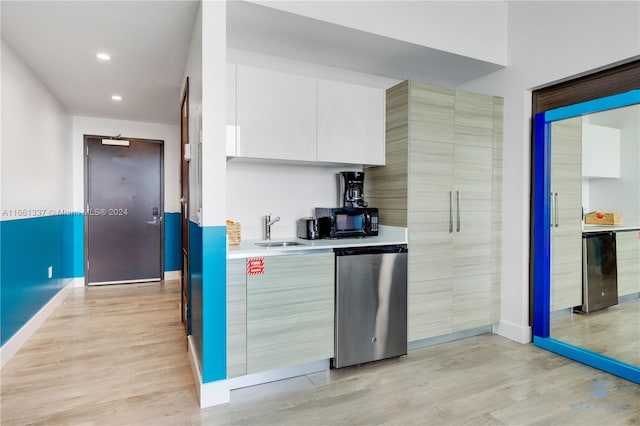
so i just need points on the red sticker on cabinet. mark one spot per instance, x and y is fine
(255, 266)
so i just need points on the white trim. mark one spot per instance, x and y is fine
(517, 333)
(77, 282)
(16, 341)
(278, 374)
(172, 275)
(209, 394)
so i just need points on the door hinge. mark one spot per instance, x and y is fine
(87, 150)
(87, 265)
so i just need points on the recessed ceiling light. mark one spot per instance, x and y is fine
(116, 97)
(103, 56)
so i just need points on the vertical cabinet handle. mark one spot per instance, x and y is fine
(556, 203)
(552, 210)
(458, 211)
(450, 211)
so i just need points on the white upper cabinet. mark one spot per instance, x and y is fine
(600, 151)
(281, 116)
(231, 110)
(350, 123)
(276, 115)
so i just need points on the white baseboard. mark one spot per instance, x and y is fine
(77, 282)
(517, 333)
(172, 275)
(16, 341)
(209, 394)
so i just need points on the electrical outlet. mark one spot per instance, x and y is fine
(50, 272)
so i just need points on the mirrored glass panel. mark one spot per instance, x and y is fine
(595, 232)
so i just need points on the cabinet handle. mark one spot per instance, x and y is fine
(458, 210)
(556, 196)
(450, 211)
(552, 211)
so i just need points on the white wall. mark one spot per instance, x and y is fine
(621, 195)
(214, 110)
(193, 70)
(293, 66)
(476, 29)
(548, 42)
(36, 142)
(289, 191)
(170, 134)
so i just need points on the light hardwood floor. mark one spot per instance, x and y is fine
(117, 355)
(614, 331)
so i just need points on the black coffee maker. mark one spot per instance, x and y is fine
(352, 189)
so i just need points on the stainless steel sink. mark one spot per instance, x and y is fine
(278, 243)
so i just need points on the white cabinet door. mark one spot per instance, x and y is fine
(566, 222)
(231, 110)
(276, 115)
(290, 311)
(350, 123)
(600, 151)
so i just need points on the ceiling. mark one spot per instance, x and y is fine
(149, 40)
(267, 30)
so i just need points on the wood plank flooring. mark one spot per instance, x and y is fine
(117, 356)
(614, 331)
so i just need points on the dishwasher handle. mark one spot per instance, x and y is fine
(354, 251)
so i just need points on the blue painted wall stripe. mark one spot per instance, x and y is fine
(214, 298)
(28, 248)
(195, 287)
(172, 242)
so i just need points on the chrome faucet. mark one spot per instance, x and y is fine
(267, 225)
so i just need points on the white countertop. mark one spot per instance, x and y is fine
(387, 235)
(605, 228)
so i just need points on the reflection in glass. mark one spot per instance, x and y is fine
(595, 280)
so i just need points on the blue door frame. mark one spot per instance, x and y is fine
(542, 235)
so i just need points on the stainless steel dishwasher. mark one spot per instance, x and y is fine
(371, 304)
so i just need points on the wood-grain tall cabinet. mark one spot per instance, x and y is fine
(443, 180)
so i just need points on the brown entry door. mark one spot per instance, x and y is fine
(184, 199)
(124, 210)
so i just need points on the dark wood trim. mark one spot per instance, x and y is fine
(619, 79)
(607, 82)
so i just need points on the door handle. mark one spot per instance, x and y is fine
(156, 218)
(458, 211)
(450, 211)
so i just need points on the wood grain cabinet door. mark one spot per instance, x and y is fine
(290, 311)
(628, 258)
(430, 219)
(236, 317)
(473, 194)
(566, 218)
